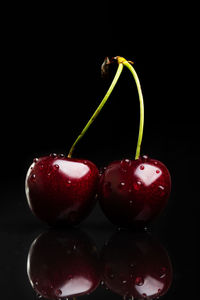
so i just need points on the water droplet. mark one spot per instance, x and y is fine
(33, 177)
(121, 185)
(55, 167)
(35, 160)
(36, 283)
(61, 155)
(54, 155)
(38, 296)
(131, 202)
(125, 163)
(161, 189)
(41, 167)
(141, 167)
(85, 162)
(58, 292)
(137, 185)
(155, 162)
(139, 281)
(162, 272)
(124, 281)
(69, 277)
(145, 157)
(144, 295)
(68, 182)
(157, 171)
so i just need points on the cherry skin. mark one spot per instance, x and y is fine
(63, 264)
(134, 192)
(60, 189)
(136, 265)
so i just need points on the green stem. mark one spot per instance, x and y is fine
(141, 126)
(99, 108)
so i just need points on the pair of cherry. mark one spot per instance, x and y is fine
(130, 192)
(66, 264)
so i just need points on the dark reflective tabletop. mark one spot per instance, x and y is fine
(94, 260)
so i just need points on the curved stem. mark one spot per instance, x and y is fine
(99, 108)
(141, 126)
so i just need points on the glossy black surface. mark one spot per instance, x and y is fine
(51, 85)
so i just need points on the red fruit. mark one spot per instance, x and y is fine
(134, 192)
(61, 189)
(136, 265)
(63, 264)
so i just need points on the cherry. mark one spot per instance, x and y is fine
(134, 192)
(63, 264)
(61, 189)
(136, 266)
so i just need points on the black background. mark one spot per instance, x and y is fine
(51, 85)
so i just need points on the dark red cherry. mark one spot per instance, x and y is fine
(136, 266)
(134, 192)
(63, 264)
(61, 189)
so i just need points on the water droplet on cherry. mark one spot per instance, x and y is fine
(41, 167)
(144, 295)
(54, 155)
(68, 182)
(125, 163)
(55, 167)
(35, 160)
(161, 189)
(33, 177)
(162, 272)
(121, 185)
(139, 281)
(141, 167)
(157, 171)
(145, 157)
(137, 185)
(61, 155)
(58, 292)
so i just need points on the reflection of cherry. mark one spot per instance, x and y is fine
(136, 265)
(63, 264)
